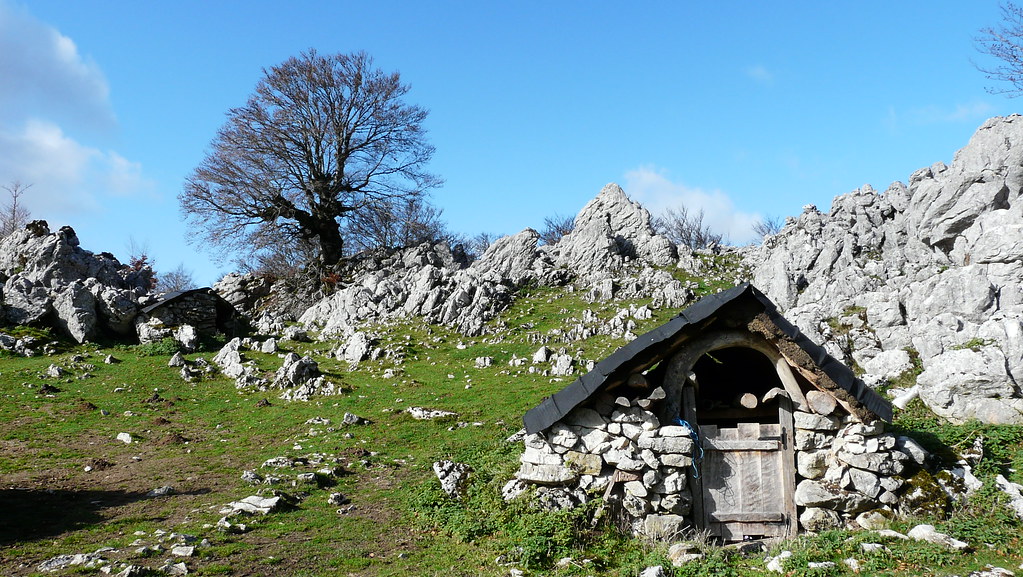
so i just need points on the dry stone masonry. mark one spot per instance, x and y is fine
(618, 449)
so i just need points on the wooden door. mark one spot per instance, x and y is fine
(748, 481)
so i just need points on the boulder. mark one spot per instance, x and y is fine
(49, 277)
(453, 477)
(243, 291)
(295, 371)
(810, 493)
(75, 308)
(966, 384)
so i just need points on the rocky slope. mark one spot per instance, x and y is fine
(930, 270)
(612, 251)
(47, 278)
(923, 278)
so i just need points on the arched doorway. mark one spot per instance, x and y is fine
(737, 391)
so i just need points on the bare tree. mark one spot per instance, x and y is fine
(323, 140)
(179, 279)
(13, 214)
(1005, 43)
(140, 262)
(686, 229)
(478, 244)
(277, 260)
(399, 223)
(555, 227)
(768, 226)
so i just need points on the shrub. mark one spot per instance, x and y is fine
(165, 347)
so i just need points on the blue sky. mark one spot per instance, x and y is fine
(741, 109)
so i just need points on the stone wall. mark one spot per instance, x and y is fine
(203, 310)
(616, 448)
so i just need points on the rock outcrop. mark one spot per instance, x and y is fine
(48, 279)
(933, 268)
(612, 251)
(610, 231)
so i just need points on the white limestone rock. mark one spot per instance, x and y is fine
(928, 533)
(453, 477)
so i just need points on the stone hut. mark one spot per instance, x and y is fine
(725, 419)
(202, 309)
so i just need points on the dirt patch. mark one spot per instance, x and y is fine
(173, 439)
(96, 464)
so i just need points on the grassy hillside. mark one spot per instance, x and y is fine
(69, 486)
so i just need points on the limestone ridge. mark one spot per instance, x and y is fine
(48, 278)
(609, 231)
(935, 267)
(612, 238)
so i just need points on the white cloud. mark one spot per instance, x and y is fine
(53, 103)
(44, 75)
(651, 187)
(69, 180)
(760, 74)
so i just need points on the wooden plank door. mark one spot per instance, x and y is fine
(747, 478)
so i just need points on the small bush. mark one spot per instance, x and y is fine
(163, 348)
(23, 331)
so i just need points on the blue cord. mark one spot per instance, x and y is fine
(696, 439)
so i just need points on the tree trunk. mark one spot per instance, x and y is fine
(331, 249)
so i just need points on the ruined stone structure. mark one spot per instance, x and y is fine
(726, 419)
(203, 310)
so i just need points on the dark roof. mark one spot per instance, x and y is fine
(744, 301)
(175, 295)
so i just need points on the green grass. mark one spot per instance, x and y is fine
(399, 522)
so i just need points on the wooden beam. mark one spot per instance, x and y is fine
(742, 445)
(748, 517)
(822, 403)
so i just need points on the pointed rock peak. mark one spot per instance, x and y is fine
(612, 189)
(610, 228)
(612, 207)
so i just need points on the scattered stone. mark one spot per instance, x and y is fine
(56, 372)
(164, 491)
(351, 420)
(174, 568)
(255, 505)
(453, 477)
(1014, 492)
(295, 371)
(992, 571)
(682, 553)
(338, 499)
(124, 438)
(227, 526)
(424, 414)
(278, 463)
(929, 534)
(777, 563)
(178, 360)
